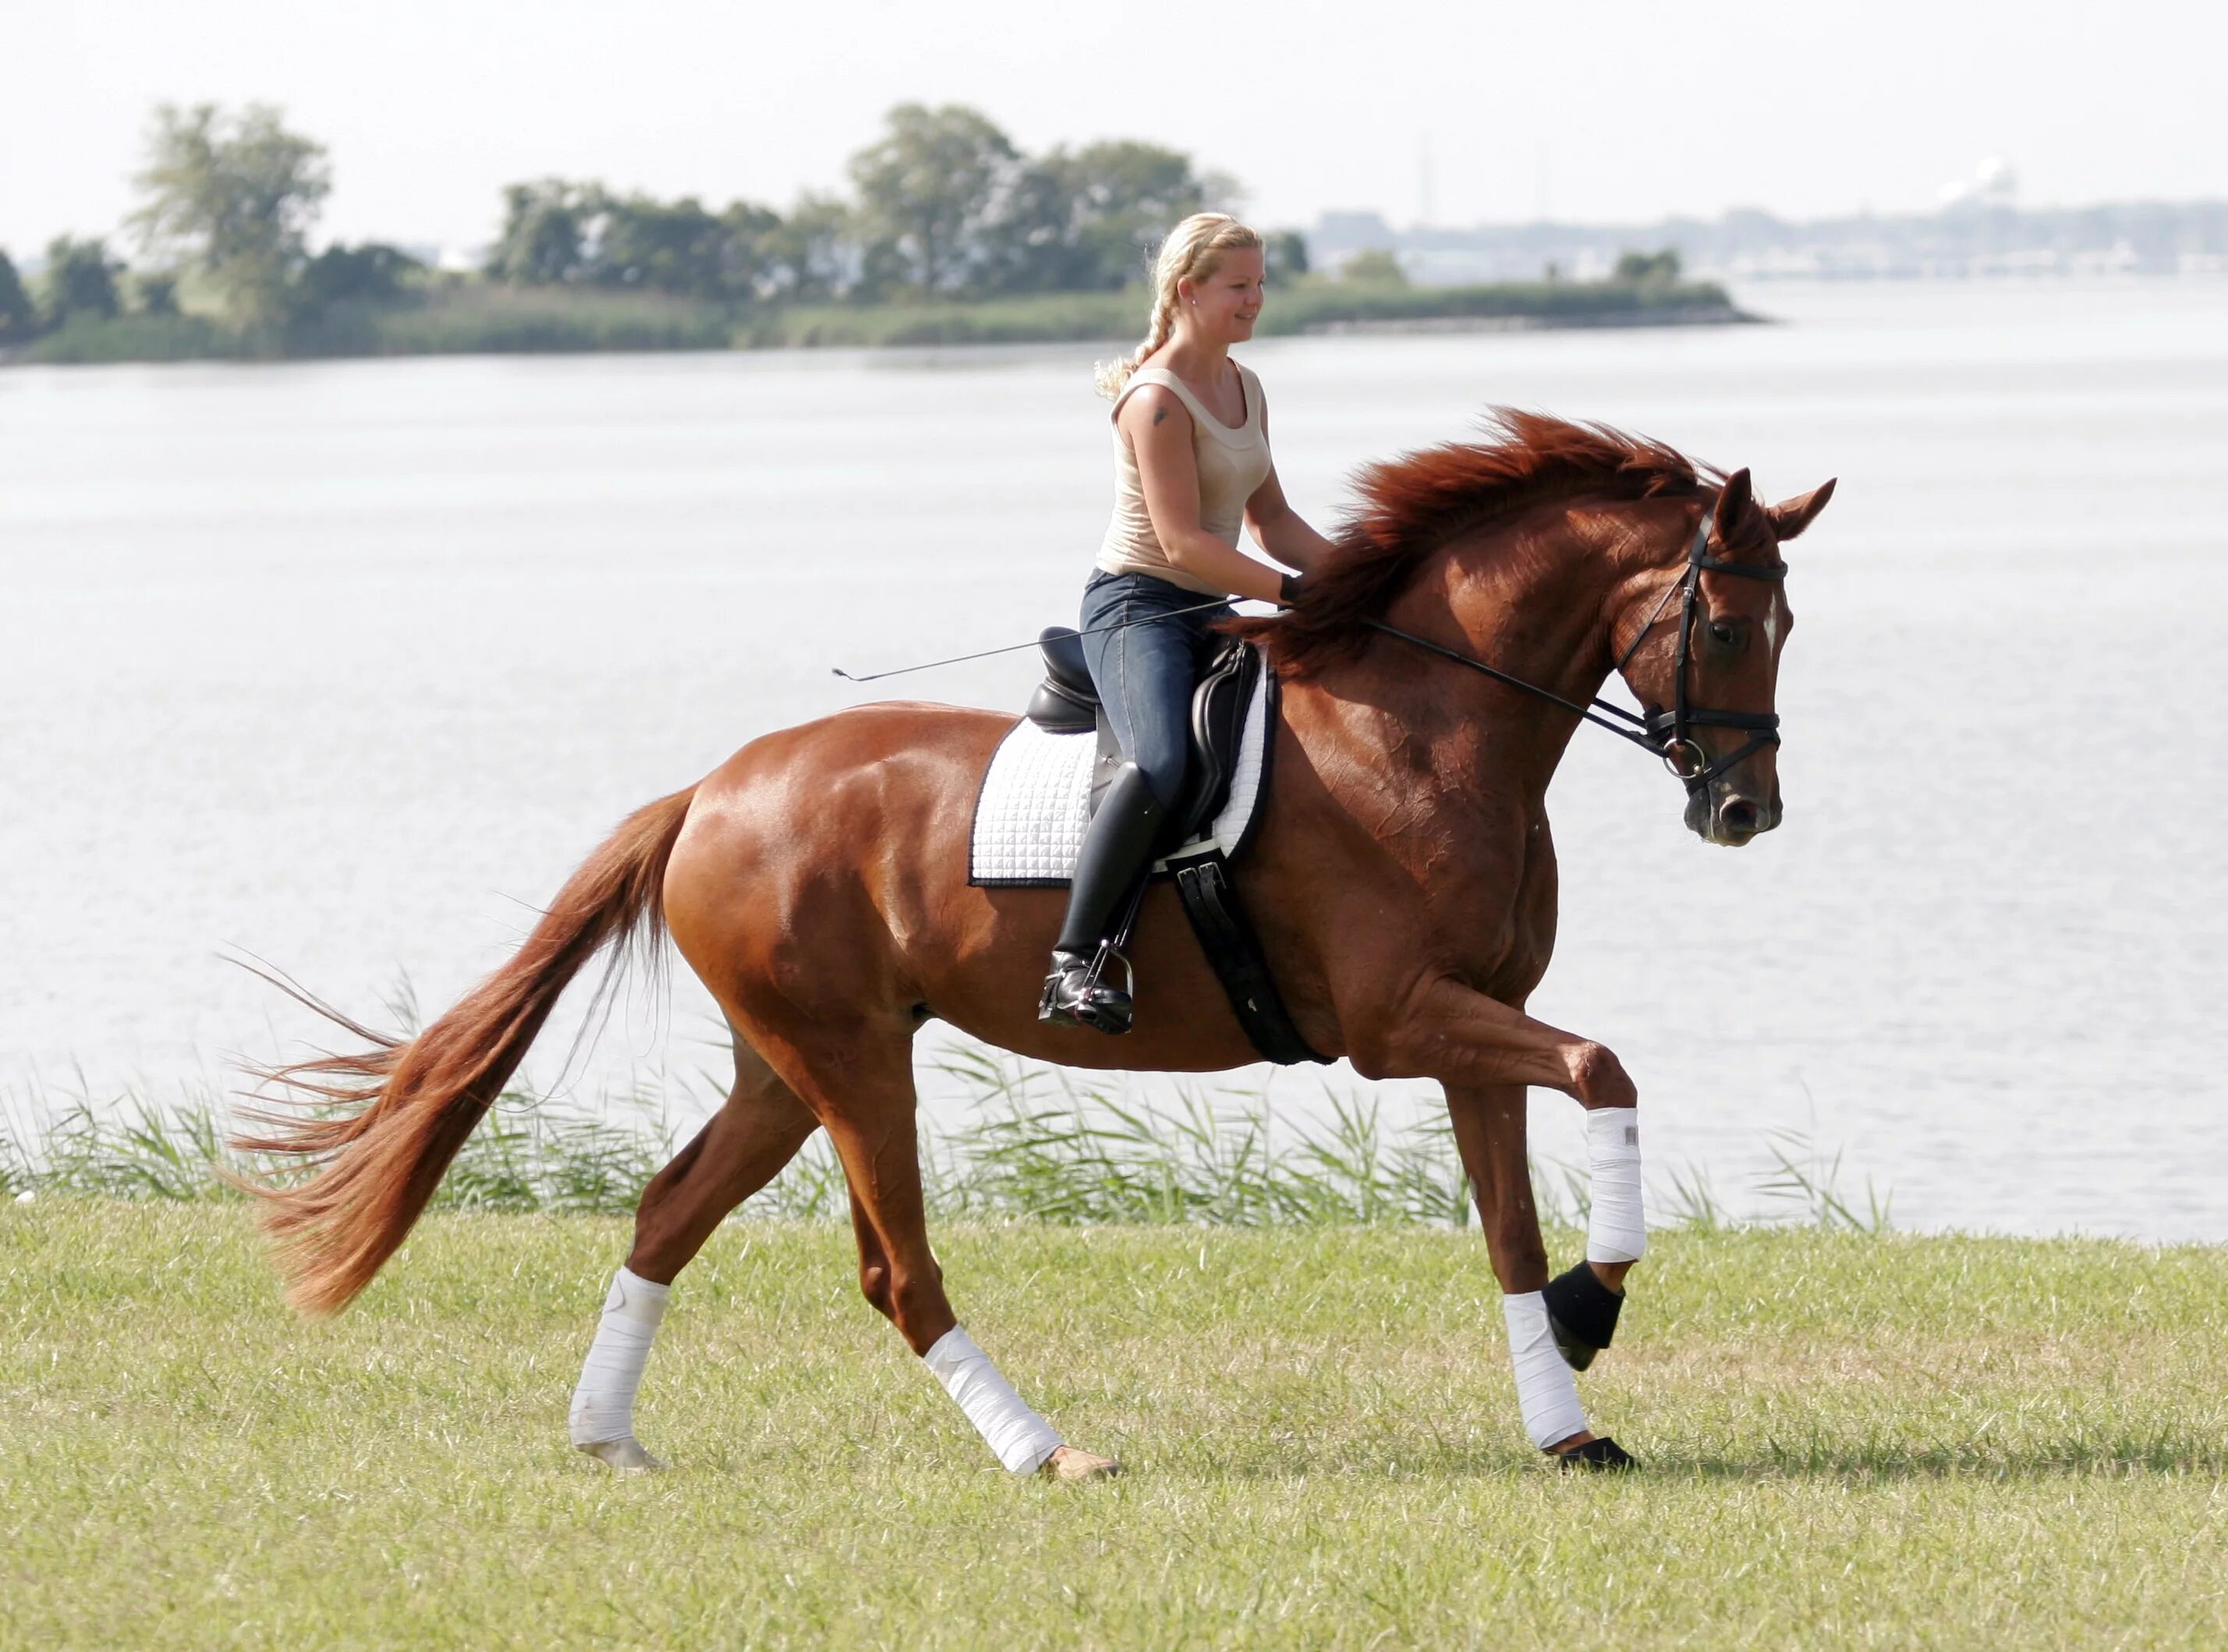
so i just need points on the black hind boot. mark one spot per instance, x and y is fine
(1115, 849)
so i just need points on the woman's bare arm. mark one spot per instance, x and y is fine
(1160, 431)
(1277, 527)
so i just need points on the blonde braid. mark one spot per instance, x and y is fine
(1192, 250)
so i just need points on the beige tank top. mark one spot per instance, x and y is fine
(1232, 464)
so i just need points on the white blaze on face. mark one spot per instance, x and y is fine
(1771, 622)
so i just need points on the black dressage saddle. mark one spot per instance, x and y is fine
(1068, 703)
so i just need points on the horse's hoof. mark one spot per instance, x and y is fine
(1582, 1314)
(1070, 1462)
(1600, 1455)
(1576, 1354)
(624, 1456)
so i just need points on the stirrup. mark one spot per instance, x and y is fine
(1082, 997)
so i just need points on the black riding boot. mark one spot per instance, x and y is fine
(1115, 849)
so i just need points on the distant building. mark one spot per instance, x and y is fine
(1992, 184)
(1353, 232)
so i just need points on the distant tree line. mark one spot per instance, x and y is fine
(227, 206)
(944, 204)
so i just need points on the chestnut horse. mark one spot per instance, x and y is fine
(1403, 881)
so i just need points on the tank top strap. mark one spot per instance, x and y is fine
(1165, 379)
(1256, 402)
(1213, 426)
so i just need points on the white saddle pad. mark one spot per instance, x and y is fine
(1035, 802)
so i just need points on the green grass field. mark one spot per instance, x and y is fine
(1849, 1440)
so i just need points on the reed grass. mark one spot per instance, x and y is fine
(470, 316)
(1025, 1142)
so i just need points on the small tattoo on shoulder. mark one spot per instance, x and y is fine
(1159, 413)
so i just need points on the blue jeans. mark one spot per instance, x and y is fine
(1145, 672)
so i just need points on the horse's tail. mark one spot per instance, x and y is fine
(406, 1104)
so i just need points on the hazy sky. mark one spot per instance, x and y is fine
(1602, 111)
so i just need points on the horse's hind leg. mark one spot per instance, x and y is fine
(867, 1102)
(744, 1146)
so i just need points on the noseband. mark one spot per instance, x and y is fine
(1667, 736)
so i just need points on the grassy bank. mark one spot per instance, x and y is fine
(1322, 307)
(1849, 1440)
(477, 318)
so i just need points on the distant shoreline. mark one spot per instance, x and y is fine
(471, 316)
(1726, 314)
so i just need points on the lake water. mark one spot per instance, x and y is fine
(349, 665)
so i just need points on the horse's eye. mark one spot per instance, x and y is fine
(1721, 632)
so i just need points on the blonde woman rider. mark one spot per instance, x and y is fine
(1191, 462)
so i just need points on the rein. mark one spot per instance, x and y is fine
(1667, 736)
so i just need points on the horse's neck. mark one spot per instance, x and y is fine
(1531, 597)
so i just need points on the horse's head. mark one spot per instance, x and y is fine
(1702, 656)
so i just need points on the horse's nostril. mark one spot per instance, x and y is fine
(1738, 815)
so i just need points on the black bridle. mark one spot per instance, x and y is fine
(1666, 735)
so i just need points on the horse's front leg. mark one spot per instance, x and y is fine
(1485, 1053)
(1472, 1043)
(1489, 1131)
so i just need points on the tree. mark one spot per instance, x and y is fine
(369, 274)
(749, 250)
(236, 195)
(1089, 219)
(1648, 269)
(1286, 254)
(926, 192)
(1029, 237)
(158, 293)
(807, 251)
(1127, 198)
(679, 248)
(1376, 267)
(18, 319)
(545, 233)
(81, 280)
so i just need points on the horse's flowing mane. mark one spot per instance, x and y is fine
(1413, 504)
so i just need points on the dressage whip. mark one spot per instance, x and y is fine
(1016, 647)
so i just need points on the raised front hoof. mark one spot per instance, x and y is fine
(1600, 1455)
(1071, 1463)
(1581, 1314)
(624, 1456)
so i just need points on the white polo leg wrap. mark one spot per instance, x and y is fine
(1616, 1225)
(603, 1406)
(1546, 1387)
(1022, 1439)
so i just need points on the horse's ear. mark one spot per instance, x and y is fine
(1733, 502)
(1790, 516)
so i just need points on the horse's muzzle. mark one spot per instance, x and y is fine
(1719, 814)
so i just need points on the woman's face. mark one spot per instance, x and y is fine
(1223, 304)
